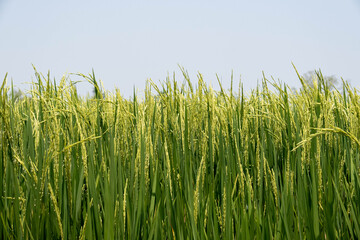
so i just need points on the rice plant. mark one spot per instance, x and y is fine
(183, 162)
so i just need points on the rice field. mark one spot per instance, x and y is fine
(182, 162)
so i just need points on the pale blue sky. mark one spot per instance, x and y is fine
(127, 42)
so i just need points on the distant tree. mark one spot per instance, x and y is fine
(313, 76)
(18, 94)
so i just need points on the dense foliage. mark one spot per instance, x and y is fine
(183, 162)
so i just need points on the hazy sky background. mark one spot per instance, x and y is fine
(127, 42)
